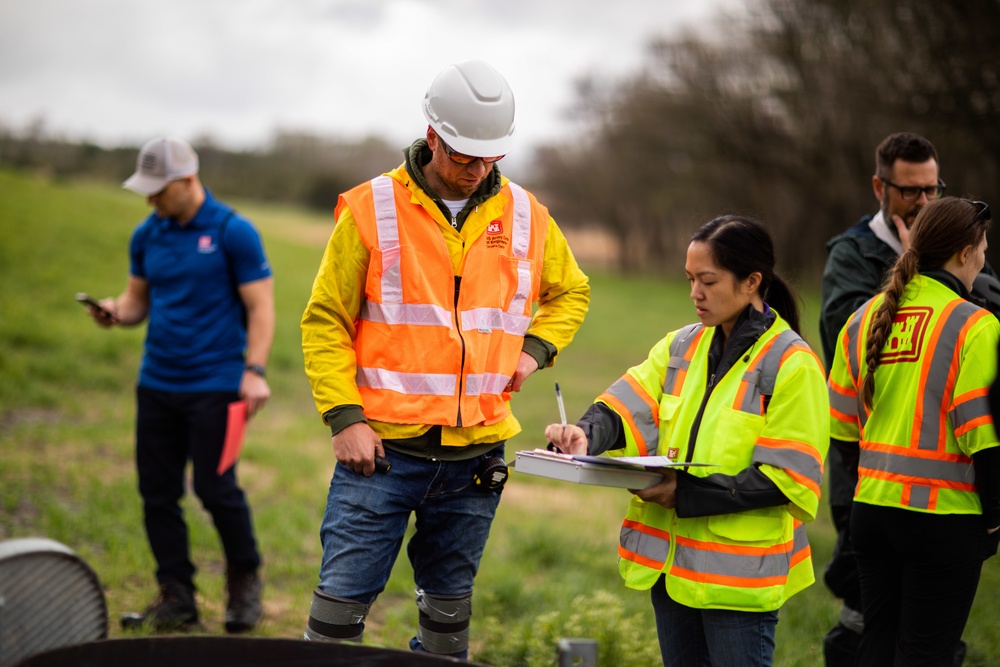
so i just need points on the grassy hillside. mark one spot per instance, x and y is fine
(66, 469)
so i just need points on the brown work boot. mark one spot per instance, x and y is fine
(243, 609)
(173, 609)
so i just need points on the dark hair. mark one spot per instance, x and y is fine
(902, 146)
(742, 246)
(942, 228)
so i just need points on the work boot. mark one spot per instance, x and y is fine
(243, 609)
(173, 609)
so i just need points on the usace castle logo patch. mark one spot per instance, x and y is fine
(906, 339)
(494, 235)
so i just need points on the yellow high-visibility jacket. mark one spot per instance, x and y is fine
(347, 341)
(767, 411)
(930, 412)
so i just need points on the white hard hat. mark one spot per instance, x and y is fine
(471, 107)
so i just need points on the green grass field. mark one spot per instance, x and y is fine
(66, 469)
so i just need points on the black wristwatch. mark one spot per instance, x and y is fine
(257, 369)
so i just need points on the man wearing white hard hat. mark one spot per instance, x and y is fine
(199, 276)
(443, 287)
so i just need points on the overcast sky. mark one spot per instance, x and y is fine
(122, 71)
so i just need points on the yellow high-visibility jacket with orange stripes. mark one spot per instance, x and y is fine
(387, 330)
(930, 411)
(767, 411)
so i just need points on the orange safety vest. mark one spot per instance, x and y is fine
(433, 348)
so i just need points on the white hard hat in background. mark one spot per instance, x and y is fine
(471, 106)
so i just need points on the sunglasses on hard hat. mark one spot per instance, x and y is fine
(462, 158)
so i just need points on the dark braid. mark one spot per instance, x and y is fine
(943, 228)
(880, 327)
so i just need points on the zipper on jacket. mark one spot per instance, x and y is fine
(696, 426)
(461, 368)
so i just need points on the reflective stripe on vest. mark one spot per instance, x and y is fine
(393, 311)
(971, 410)
(854, 359)
(759, 378)
(739, 566)
(513, 320)
(434, 384)
(761, 375)
(924, 466)
(643, 544)
(797, 460)
(638, 410)
(682, 348)
(843, 402)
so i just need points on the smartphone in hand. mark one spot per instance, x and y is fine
(88, 300)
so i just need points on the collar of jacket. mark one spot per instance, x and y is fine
(951, 281)
(419, 154)
(749, 326)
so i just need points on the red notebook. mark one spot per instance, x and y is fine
(236, 428)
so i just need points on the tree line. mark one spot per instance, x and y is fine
(774, 112)
(301, 168)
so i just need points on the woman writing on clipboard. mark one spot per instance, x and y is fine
(720, 548)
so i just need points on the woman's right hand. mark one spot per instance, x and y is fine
(568, 439)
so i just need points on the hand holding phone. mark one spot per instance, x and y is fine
(101, 312)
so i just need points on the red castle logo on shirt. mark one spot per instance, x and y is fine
(494, 228)
(907, 336)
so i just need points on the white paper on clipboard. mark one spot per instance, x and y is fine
(644, 461)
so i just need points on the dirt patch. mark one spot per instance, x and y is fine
(593, 247)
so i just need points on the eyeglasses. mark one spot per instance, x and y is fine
(462, 158)
(911, 193)
(983, 213)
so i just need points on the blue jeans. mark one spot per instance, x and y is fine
(366, 519)
(716, 637)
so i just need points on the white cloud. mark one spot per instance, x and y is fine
(120, 71)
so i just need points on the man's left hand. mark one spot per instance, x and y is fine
(526, 365)
(255, 391)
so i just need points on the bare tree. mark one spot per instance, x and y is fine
(775, 114)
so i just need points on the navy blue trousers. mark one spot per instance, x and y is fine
(171, 429)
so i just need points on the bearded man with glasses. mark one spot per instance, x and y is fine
(858, 260)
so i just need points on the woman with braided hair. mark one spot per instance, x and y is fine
(909, 386)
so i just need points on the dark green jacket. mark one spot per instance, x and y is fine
(857, 262)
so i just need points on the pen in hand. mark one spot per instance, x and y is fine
(562, 419)
(562, 407)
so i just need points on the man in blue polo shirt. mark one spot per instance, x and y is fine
(199, 275)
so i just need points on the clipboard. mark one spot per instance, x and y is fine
(236, 428)
(621, 472)
(565, 467)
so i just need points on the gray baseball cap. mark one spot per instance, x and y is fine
(161, 161)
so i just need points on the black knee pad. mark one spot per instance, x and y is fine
(444, 622)
(336, 619)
